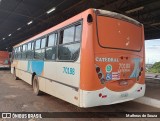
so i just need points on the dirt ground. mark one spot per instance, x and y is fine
(18, 96)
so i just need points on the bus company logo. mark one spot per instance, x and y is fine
(21, 115)
(6, 115)
(106, 59)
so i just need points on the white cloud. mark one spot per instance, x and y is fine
(152, 51)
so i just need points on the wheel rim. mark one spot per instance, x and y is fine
(35, 88)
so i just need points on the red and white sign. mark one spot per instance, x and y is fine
(115, 75)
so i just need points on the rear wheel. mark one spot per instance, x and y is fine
(36, 86)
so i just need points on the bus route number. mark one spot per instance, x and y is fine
(68, 70)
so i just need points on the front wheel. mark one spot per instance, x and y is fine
(36, 86)
(14, 74)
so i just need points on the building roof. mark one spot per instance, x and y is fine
(22, 19)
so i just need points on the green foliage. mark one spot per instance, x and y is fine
(155, 68)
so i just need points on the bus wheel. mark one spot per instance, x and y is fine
(36, 86)
(14, 74)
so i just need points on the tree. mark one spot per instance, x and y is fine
(155, 68)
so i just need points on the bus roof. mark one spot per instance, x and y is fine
(76, 18)
(117, 15)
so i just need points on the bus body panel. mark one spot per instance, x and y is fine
(62, 91)
(87, 54)
(123, 74)
(55, 78)
(20, 68)
(67, 73)
(114, 69)
(52, 77)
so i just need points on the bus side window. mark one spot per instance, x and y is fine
(29, 46)
(30, 51)
(14, 53)
(19, 52)
(42, 50)
(24, 49)
(38, 54)
(69, 44)
(68, 35)
(32, 48)
(43, 43)
(38, 44)
(51, 50)
(78, 32)
(61, 37)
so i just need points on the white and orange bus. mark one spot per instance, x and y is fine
(94, 58)
(4, 59)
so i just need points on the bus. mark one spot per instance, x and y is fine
(4, 60)
(94, 58)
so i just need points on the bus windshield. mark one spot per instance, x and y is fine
(118, 34)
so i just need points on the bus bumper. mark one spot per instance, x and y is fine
(4, 66)
(107, 97)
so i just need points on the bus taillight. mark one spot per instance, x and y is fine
(139, 89)
(141, 69)
(140, 72)
(97, 69)
(121, 57)
(100, 75)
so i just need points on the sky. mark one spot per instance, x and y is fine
(152, 51)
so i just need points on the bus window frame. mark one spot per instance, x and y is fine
(78, 22)
(55, 45)
(28, 46)
(19, 52)
(34, 48)
(24, 51)
(44, 37)
(55, 42)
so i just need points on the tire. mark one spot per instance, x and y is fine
(14, 74)
(36, 86)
